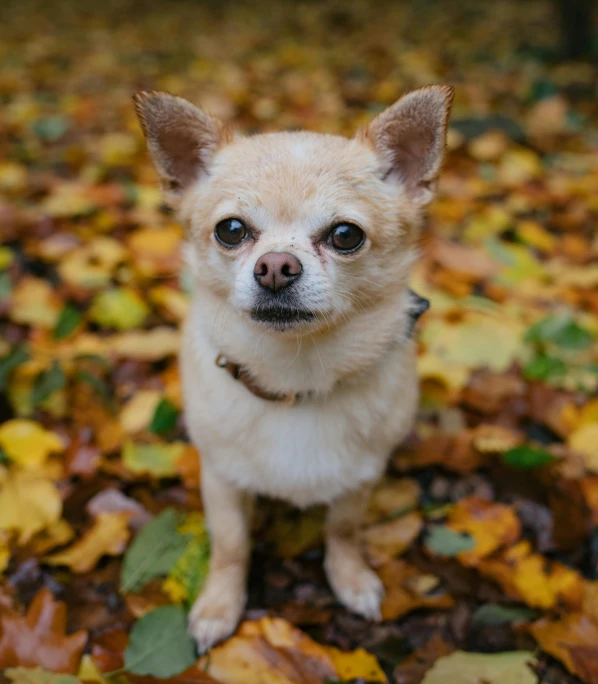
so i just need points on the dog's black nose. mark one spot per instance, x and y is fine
(276, 270)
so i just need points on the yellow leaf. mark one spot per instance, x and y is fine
(146, 345)
(27, 443)
(527, 576)
(28, 504)
(519, 165)
(585, 441)
(156, 250)
(492, 525)
(92, 265)
(34, 302)
(4, 551)
(108, 536)
(357, 664)
(137, 414)
(478, 340)
(159, 460)
(57, 535)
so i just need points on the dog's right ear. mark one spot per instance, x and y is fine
(181, 138)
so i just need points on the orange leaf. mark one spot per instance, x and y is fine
(492, 525)
(408, 589)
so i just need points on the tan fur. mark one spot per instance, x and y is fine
(353, 361)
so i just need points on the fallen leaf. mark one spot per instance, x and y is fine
(154, 551)
(392, 497)
(120, 308)
(408, 589)
(108, 536)
(27, 443)
(27, 675)
(29, 504)
(491, 525)
(483, 668)
(561, 637)
(529, 577)
(39, 638)
(34, 302)
(388, 539)
(357, 664)
(158, 460)
(274, 652)
(137, 414)
(159, 644)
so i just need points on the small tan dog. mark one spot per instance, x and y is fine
(299, 375)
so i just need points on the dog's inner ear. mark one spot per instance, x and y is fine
(410, 137)
(181, 138)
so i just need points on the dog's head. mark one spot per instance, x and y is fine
(300, 230)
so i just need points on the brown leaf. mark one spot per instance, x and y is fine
(39, 638)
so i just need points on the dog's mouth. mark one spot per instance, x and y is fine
(281, 317)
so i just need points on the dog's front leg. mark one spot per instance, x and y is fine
(355, 584)
(218, 609)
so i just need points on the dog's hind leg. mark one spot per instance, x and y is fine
(355, 584)
(218, 609)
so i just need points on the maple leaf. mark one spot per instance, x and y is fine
(39, 638)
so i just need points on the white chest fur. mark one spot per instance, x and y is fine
(307, 453)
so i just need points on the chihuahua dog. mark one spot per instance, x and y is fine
(297, 364)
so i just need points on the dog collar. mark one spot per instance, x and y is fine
(417, 306)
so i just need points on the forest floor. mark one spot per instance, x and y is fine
(485, 530)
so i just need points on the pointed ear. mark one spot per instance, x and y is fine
(410, 136)
(181, 138)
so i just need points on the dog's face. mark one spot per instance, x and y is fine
(300, 231)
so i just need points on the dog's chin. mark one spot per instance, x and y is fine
(283, 319)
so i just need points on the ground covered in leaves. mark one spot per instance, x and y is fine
(484, 532)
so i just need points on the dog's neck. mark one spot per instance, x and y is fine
(303, 364)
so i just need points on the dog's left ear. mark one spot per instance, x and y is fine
(181, 138)
(410, 137)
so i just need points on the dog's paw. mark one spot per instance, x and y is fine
(213, 618)
(357, 587)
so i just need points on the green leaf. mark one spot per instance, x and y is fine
(544, 367)
(159, 644)
(158, 460)
(154, 551)
(561, 330)
(15, 357)
(165, 417)
(495, 614)
(443, 541)
(48, 382)
(69, 320)
(526, 457)
(5, 285)
(4, 460)
(35, 675)
(51, 128)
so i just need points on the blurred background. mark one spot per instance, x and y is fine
(92, 439)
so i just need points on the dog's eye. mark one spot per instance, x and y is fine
(346, 237)
(230, 232)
